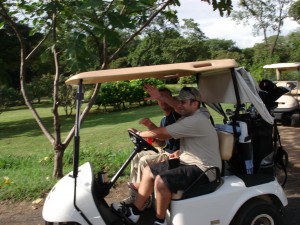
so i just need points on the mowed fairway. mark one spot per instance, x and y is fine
(26, 155)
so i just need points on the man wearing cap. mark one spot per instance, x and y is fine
(199, 150)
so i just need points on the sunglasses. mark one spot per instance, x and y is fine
(189, 90)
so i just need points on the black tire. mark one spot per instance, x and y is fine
(295, 120)
(286, 120)
(65, 223)
(258, 212)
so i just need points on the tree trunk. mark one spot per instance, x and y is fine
(58, 161)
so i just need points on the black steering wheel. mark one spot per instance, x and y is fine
(140, 143)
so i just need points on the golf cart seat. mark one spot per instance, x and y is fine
(226, 146)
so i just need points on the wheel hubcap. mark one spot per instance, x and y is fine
(263, 219)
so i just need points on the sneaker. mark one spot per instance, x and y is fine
(129, 200)
(132, 194)
(159, 223)
(125, 211)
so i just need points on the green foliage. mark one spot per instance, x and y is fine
(294, 11)
(222, 6)
(40, 87)
(9, 97)
(187, 80)
(105, 159)
(114, 94)
(117, 94)
(258, 56)
(17, 174)
(192, 31)
(268, 17)
(152, 81)
(170, 45)
(66, 97)
(292, 46)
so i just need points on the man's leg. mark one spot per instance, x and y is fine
(147, 160)
(145, 188)
(131, 213)
(163, 197)
(135, 170)
(138, 164)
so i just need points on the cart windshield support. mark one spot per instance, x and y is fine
(79, 97)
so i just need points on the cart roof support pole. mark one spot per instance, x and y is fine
(79, 97)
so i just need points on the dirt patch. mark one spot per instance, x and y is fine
(27, 213)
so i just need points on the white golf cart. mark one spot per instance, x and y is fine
(246, 191)
(288, 110)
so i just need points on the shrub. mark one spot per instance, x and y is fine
(9, 97)
(117, 94)
(187, 80)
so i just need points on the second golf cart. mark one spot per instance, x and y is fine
(288, 110)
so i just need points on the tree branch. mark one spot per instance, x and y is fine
(113, 56)
(36, 47)
(56, 120)
(13, 25)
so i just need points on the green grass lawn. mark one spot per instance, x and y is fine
(26, 156)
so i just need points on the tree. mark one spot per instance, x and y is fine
(170, 44)
(96, 23)
(40, 86)
(268, 17)
(8, 97)
(294, 11)
(293, 43)
(191, 30)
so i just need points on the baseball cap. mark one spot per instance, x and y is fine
(189, 93)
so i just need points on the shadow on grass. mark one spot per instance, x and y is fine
(29, 127)
(43, 104)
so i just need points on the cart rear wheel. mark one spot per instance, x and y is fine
(286, 120)
(295, 120)
(62, 223)
(258, 212)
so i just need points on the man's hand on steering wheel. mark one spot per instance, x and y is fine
(140, 142)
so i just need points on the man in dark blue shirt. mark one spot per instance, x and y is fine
(145, 158)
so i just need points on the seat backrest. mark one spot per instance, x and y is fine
(226, 144)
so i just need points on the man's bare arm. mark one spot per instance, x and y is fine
(159, 133)
(155, 94)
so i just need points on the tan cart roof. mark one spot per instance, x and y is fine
(209, 67)
(283, 66)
